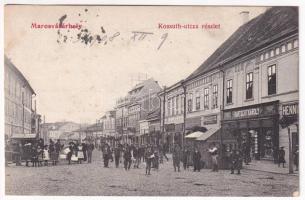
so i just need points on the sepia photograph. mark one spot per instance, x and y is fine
(151, 100)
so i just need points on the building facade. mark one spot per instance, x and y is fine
(259, 65)
(133, 108)
(18, 102)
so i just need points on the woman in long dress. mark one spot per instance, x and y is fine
(80, 153)
(46, 156)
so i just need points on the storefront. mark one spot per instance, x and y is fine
(254, 130)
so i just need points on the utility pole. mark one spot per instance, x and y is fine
(290, 153)
(184, 113)
(222, 117)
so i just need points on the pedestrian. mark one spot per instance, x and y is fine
(90, 148)
(246, 153)
(117, 155)
(236, 161)
(156, 159)
(80, 153)
(164, 150)
(52, 152)
(214, 154)
(136, 156)
(149, 156)
(185, 156)
(196, 160)
(27, 153)
(281, 158)
(176, 157)
(39, 156)
(46, 156)
(106, 155)
(58, 147)
(69, 155)
(17, 153)
(34, 156)
(127, 157)
(296, 158)
(85, 151)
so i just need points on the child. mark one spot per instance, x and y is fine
(46, 156)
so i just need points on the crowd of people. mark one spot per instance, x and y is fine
(40, 154)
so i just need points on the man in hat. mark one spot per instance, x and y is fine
(236, 161)
(281, 157)
(176, 157)
(296, 158)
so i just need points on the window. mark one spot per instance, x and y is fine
(249, 85)
(206, 98)
(277, 51)
(190, 103)
(229, 91)
(177, 105)
(215, 96)
(182, 104)
(168, 107)
(283, 48)
(271, 80)
(289, 46)
(271, 53)
(173, 106)
(295, 44)
(198, 103)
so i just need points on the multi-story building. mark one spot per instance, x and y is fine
(259, 69)
(108, 127)
(140, 100)
(172, 114)
(59, 130)
(18, 103)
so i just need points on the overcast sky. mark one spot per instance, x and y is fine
(79, 82)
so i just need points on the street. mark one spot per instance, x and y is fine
(92, 179)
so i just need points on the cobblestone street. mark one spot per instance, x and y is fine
(93, 179)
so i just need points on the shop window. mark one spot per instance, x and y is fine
(229, 91)
(267, 146)
(272, 79)
(215, 96)
(198, 103)
(249, 85)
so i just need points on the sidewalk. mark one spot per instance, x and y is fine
(267, 166)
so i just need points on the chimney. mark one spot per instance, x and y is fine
(244, 15)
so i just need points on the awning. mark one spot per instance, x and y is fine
(194, 135)
(23, 136)
(208, 133)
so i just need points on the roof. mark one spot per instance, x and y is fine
(272, 25)
(194, 135)
(24, 136)
(153, 115)
(207, 134)
(9, 64)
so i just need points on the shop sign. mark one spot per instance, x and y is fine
(212, 119)
(290, 109)
(246, 113)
